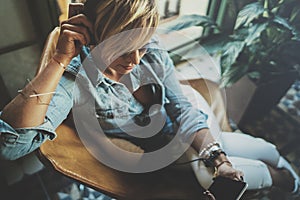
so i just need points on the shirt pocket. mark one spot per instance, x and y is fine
(113, 113)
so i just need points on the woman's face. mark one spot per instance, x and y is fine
(125, 63)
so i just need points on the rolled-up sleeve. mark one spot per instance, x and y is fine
(188, 119)
(17, 142)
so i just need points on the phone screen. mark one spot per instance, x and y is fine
(78, 8)
(227, 189)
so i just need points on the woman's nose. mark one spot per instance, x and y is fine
(134, 57)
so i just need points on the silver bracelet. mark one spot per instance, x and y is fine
(205, 152)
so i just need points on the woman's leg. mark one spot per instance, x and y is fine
(246, 146)
(259, 175)
(256, 172)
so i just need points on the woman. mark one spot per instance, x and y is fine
(32, 116)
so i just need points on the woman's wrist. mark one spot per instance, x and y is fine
(63, 66)
(213, 155)
(220, 160)
(61, 60)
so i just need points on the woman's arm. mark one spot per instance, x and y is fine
(202, 139)
(27, 110)
(17, 142)
(191, 121)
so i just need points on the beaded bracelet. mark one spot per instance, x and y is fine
(209, 162)
(205, 151)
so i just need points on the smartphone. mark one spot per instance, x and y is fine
(227, 189)
(77, 8)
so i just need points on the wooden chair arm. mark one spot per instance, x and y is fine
(69, 156)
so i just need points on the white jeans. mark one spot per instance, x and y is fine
(247, 153)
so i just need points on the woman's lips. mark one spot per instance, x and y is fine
(127, 67)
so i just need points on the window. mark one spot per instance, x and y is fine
(170, 9)
(189, 57)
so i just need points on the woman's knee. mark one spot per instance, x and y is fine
(256, 172)
(244, 145)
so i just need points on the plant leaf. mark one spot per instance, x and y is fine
(273, 4)
(295, 21)
(232, 75)
(283, 22)
(214, 43)
(186, 21)
(254, 75)
(248, 14)
(254, 32)
(230, 54)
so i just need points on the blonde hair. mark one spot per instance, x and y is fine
(111, 17)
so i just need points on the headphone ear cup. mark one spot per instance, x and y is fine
(89, 10)
(157, 93)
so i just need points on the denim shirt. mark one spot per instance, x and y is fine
(114, 104)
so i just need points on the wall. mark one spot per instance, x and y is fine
(24, 27)
(17, 29)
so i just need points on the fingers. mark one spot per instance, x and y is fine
(229, 172)
(75, 32)
(69, 44)
(238, 175)
(73, 36)
(81, 30)
(81, 20)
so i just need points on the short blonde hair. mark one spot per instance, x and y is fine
(111, 17)
(121, 26)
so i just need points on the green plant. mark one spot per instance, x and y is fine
(265, 42)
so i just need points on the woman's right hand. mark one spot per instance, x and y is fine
(75, 33)
(226, 170)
